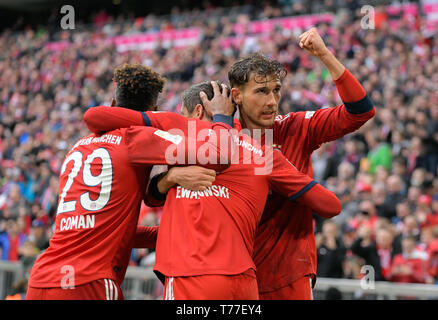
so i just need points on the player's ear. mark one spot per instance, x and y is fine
(236, 94)
(113, 102)
(198, 111)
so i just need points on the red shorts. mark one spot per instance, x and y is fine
(300, 289)
(212, 287)
(102, 289)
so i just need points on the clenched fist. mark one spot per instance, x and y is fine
(312, 42)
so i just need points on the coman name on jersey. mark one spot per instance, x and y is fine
(77, 222)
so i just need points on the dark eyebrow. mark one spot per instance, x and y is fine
(264, 88)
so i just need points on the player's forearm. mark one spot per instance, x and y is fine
(322, 201)
(165, 182)
(220, 143)
(333, 65)
(146, 237)
(157, 189)
(102, 119)
(350, 90)
(354, 96)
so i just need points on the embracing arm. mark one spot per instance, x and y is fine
(192, 178)
(145, 237)
(285, 179)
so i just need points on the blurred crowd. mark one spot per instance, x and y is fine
(386, 174)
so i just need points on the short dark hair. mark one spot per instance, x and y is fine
(257, 63)
(190, 97)
(138, 86)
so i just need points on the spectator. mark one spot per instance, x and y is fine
(330, 251)
(18, 291)
(366, 248)
(432, 214)
(38, 235)
(394, 196)
(367, 215)
(410, 265)
(379, 154)
(11, 240)
(28, 254)
(385, 250)
(432, 263)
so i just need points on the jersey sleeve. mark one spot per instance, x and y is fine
(333, 123)
(285, 179)
(102, 118)
(218, 145)
(153, 197)
(145, 237)
(152, 146)
(218, 141)
(329, 124)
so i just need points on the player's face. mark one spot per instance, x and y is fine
(258, 100)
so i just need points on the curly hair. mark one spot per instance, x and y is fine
(138, 86)
(259, 65)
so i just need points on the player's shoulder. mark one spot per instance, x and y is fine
(294, 121)
(294, 116)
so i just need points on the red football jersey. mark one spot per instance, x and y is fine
(285, 247)
(102, 184)
(212, 231)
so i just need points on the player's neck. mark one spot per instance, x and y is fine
(251, 129)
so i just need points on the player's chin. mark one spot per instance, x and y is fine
(267, 120)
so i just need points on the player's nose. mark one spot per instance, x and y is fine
(271, 100)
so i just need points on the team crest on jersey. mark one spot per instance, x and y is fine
(309, 114)
(168, 136)
(281, 117)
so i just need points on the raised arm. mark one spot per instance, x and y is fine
(329, 124)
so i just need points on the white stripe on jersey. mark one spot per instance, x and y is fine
(169, 289)
(116, 294)
(111, 289)
(106, 289)
(311, 290)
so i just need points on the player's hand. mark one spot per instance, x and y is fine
(312, 42)
(193, 177)
(221, 103)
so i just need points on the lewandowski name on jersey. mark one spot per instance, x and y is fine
(213, 191)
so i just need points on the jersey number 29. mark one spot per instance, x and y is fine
(104, 179)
